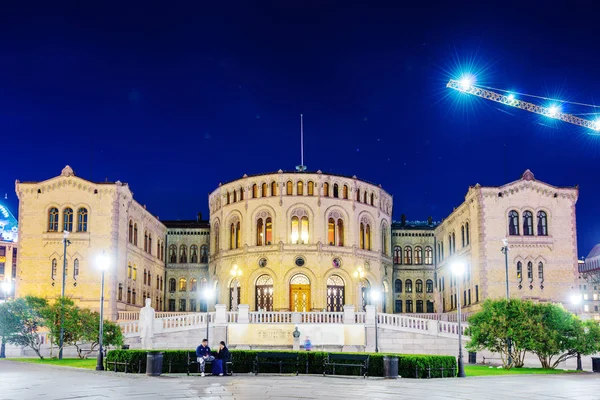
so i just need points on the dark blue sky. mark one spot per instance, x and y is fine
(179, 97)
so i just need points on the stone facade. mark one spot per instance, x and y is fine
(99, 218)
(187, 265)
(589, 284)
(299, 241)
(538, 222)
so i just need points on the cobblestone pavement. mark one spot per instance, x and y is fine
(21, 381)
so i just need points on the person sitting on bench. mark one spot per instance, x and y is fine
(220, 364)
(203, 355)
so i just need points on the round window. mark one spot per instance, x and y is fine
(336, 262)
(300, 261)
(262, 262)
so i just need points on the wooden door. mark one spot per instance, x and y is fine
(299, 298)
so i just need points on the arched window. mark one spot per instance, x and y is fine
(428, 255)
(467, 233)
(263, 190)
(268, 231)
(260, 232)
(135, 234)
(68, 219)
(120, 293)
(182, 284)
(193, 285)
(520, 271)
(398, 286)
(145, 240)
(183, 254)
(173, 254)
(238, 235)
(528, 223)
(418, 255)
(331, 232)
(462, 235)
(311, 188)
(82, 220)
(145, 276)
(149, 278)
(372, 199)
(241, 193)
(336, 190)
(216, 237)
(340, 232)
(365, 197)
(542, 223)
(290, 188)
(76, 269)
(273, 188)
(407, 255)
(228, 197)
(129, 271)
(194, 254)
(513, 223)
(326, 189)
(419, 286)
(53, 220)
(541, 271)
(130, 231)
(408, 286)
(368, 237)
(530, 271)
(397, 255)
(384, 240)
(453, 242)
(150, 243)
(204, 254)
(300, 188)
(345, 192)
(134, 276)
(358, 195)
(54, 267)
(429, 286)
(235, 235)
(172, 285)
(362, 236)
(336, 291)
(254, 191)
(235, 196)
(263, 293)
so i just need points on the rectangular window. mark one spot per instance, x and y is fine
(585, 296)
(419, 306)
(193, 305)
(2, 251)
(429, 306)
(586, 308)
(128, 295)
(181, 304)
(120, 293)
(469, 297)
(171, 304)
(409, 306)
(595, 296)
(398, 306)
(464, 298)
(595, 308)
(476, 293)
(14, 264)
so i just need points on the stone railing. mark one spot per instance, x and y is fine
(270, 317)
(177, 322)
(403, 321)
(135, 315)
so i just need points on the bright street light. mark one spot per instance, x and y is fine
(208, 293)
(375, 295)
(458, 268)
(359, 273)
(236, 271)
(575, 299)
(6, 286)
(466, 82)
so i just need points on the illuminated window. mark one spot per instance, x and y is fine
(183, 254)
(254, 191)
(82, 220)
(368, 237)
(216, 238)
(407, 255)
(345, 192)
(528, 223)
(408, 286)
(290, 188)
(300, 188)
(300, 230)
(586, 308)
(519, 271)
(362, 236)
(53, 220)
(134, 272)
(54, 268)
(542, 223)
(428, 255)
(585, 296)
(264, 190)
(418, 255)
(513, 223)
(182, 284)
(397, 255)
(193, 254)
(326, 189)
(331, 231)
(129, 271)
(68, 219)
(311, 188)
(273, 188)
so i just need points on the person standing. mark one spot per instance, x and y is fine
(203, 355)
(307, 344)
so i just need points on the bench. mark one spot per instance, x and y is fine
(347, 360)
(491, 358)
(192, 360)
(276, 358)
(126, 364)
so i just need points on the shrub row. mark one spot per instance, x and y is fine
(409, 365)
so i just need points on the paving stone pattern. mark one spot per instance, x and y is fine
(21, 381)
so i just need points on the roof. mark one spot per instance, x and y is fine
(68, 171)
(9, 231)
(595, 252)
(415, 225)
(188, 224)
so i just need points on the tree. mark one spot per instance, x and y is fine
(495, 323)
(26, 320)
(89, 329)
(70, 313)
(9, 322)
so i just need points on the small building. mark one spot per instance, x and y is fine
(9, 235)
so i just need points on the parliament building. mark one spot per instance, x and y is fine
(299, 241)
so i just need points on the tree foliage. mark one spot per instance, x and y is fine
(547, 330)
(23, 325)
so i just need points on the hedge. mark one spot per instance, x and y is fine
(409, 365)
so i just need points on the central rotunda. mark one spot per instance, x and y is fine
(300, 241)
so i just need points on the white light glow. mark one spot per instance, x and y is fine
(553, 111)
(103, 261)
(375, 295)
(359, 273)
(236, 271)
(458, 268)
(466, 82)
(208, 293)
(597, 125)
(575, 298)
(294, 237)
(510, 97)
(6, 286)
(305, 237)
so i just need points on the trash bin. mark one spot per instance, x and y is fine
(154, 362)
(390, 367)
(595, 364)
(472, 357)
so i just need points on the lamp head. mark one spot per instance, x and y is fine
(6, 286)
(375, 295)
(575, 298)
(103, 261)
(208, 293)
(458, 268)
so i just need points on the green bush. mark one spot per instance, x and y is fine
(409, 365)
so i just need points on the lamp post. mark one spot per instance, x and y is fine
(66, 242)
(208, 293)
(458, 269)
(6, 286)
(576, 300)
(375, 296)
(505, 251)
(236, 272)
(103, 263)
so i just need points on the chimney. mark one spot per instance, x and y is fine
(403, 219)
(430, 220)
(199, 216)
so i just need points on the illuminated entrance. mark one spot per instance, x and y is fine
(300, 293)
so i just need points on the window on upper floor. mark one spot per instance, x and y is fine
(311, 188)
(68, 219)
(235, 196)
(273, 188)
(54, 268)
(182, 284)
(129, 270)
(336, 190)
(462, 235)
(75, 269)
(235, 235)
(541, 271)
(408, 286)
(418, 255)
(519, 271)
(194, 254)
(365, 236)
(467, 233)
(130, 231)
(228, 198)
(134, 276)
(82, 220)
(145, 240)
(289, 188)
(372, 199)
(398, 286)
(428, 255)
(528, 223)
(358, 195)
(53, 220)
(397, 255)
(429, 286)
(419, 286)
(299, 230)
(241, 194)
(183, 254)
(254, 191)
(150, 243)
(384, 239)
(172, 254)
(530, 271)
(365, 197)
(193, 285)
(542, 223)
(135, 234)
(172, 285)
(204, 254)
(407, 255)
(300, 188)
(345, 192)
(513, 223)
(326, 189)
(264, 190)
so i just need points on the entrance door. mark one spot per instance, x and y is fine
(300, 298)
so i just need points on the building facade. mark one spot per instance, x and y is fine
(187, 265)
(589, 284)
(95, 218)
(9, 235)
(538, 223)
(300, 242)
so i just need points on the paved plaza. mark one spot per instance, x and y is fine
(21, 381)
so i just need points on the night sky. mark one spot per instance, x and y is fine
(174, 99)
